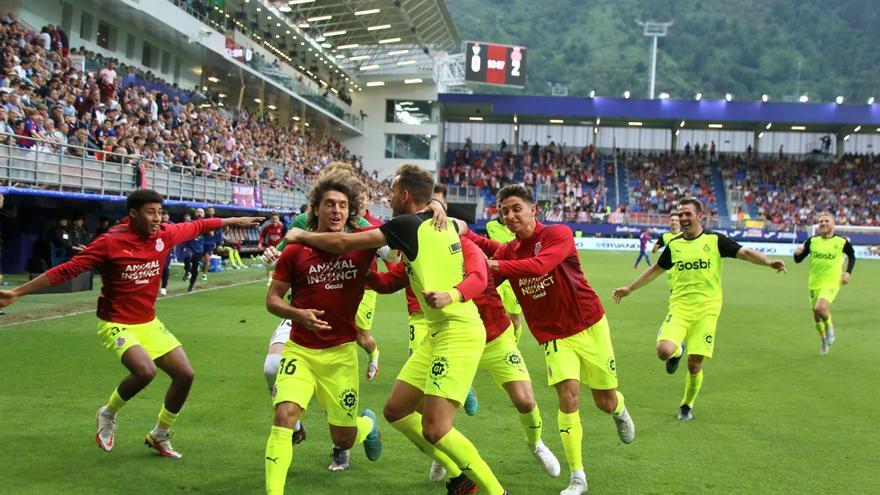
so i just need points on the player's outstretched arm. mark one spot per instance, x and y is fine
(757, 258)
(338, 242)
(8, 297)
(644, 279)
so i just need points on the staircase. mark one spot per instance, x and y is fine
(610, 185)
(622, 182)
(720, 191)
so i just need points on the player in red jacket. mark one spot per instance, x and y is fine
(131, 256)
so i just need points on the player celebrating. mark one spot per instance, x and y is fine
(320, 357)
(565, 316)
(674, 230)
(439, 374)
(270, 235)
(694, 261)
(131, 256)
(497, 231)
(826, 274)
(644, 238)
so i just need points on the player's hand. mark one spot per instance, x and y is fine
(844, 279)
(247, 221)
(438, 214)
(309, 318)
(619, 293)
(778, 265)
(494, 266)
(437, 299)
(798, 250)
(462, 227)
(270, 256)
(293, 235)
(7, 297)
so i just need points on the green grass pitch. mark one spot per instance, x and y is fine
(773, 416)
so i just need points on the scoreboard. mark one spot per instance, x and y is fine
(490, 63)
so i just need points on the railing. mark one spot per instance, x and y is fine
(63, 167)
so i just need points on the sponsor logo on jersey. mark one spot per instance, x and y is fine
(536, 286)
(824, 256)
(699, 264)
(332, 273)
(140, 273)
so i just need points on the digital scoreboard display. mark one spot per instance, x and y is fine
(489, 63)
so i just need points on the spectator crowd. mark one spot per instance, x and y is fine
(49, 104)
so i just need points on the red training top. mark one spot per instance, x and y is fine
(131, 267)
(271, 235)
(333, 283)
(546, 276)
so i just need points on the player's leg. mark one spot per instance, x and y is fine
(166, 273)
(337, 391)
(405, 401)
(279, 447)
(187, 263)
(821, 303)
(363, 320)
(176, 365)
(455, 356)
(295, 386)
(671, 344)
(206, 261)
(141, 371)
(504, 362)
(571, 431)
(701, 344)
(270, 370)
(194, 270)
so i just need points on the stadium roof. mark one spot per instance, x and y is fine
(350, 38)
(619, 112)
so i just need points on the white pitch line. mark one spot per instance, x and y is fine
(76, 313)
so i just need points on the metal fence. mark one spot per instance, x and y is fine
(62, 167)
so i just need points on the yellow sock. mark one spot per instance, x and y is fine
(465, 455)
(620, 404)
(532, 427)
(828, 323)
(572, 434)
(115, 402)
(364, 427)
(237, 256)
(678, 351)
(166, 419)
(279, 453)
(411, 427)
(692, 384)
(820, 327)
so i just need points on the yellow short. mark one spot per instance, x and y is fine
(445, 362)
(363, 319)
(418, 330)
(330, 374)
(587, 356)
(508, 298)
(696, 331)
(503, 360)
(827, 293)
(152, 336)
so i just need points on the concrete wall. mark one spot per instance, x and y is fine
(372, 144)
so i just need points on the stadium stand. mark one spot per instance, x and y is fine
(49, 106)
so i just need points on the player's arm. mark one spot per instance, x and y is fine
(90, 257)
(647, 276)
(338, 242)
(389, 282)
(473, 284)
(557, 247)
(732, 249)
(801, 252)
(488, 246)
(657, 245)
(850, 262)
(275, 303)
